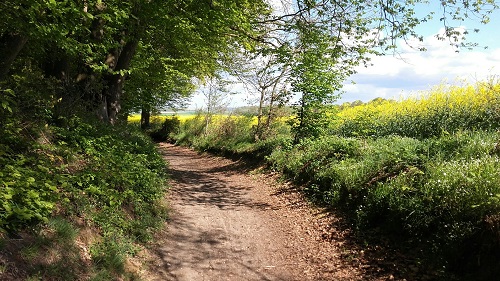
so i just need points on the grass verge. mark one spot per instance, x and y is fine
(79, 201)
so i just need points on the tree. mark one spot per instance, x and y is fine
(91, 47)
(196, 41)
(317, 80)
(267, 78)
(156, 84)
(97, 42)
(216, 98)
(323, 40)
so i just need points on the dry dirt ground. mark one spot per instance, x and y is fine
(230, 222)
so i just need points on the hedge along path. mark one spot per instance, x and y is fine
(227, 224)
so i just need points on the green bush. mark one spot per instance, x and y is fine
(112, 177)
(190, 129)
(169, 128)
(442, 188)
(123, 170)
(231, 134)
(29, 191)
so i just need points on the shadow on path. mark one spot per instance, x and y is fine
(215, 231)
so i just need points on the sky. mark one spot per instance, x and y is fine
(411, 71)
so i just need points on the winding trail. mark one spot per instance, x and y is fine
(227, 223)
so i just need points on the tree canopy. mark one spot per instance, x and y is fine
(94, 46)
(109, 57)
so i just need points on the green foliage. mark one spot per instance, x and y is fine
(124, 172)
(440, 189)
(233, 135)
(227, 134)
(110, 254)
(30, 178)
(112, 177)
(339, 169)
(318, 76)
(26, 103)
(29, 192)
(190, 130)
(170, 127)
(159, 46)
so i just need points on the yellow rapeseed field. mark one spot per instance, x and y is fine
(217, 118)
(442, 109)
(136, 118)
(454, 98)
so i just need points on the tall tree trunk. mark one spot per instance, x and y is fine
(299, 129)
(116, 81)
(270, 113)
(258, 132)
(113, 97)
(10, 46)
(145, 116)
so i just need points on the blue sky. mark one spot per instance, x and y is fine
(415, 71)
(412, 71)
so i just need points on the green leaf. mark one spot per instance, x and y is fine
(51, 187)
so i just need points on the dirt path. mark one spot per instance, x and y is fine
(217, 230)
(227, 224)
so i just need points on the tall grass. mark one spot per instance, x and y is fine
(443, 191)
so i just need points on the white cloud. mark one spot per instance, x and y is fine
(408, 73)
(393, 76)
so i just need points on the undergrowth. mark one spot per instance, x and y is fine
(80, 176)
(232, 136)
(443, 192)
